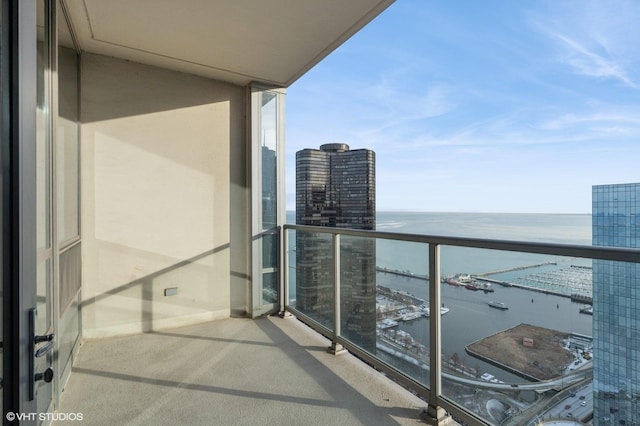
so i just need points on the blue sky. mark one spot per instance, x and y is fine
(484, 106)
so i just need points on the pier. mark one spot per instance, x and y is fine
(407, 274)
(400, 296)
(525, 287)
(572, 282)
(517, 268)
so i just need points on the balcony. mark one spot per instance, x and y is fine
(234, 371)
(513, 344)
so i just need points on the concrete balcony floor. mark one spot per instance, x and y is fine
(231, 372)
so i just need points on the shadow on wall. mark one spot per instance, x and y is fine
(164, 179)
(179, 290)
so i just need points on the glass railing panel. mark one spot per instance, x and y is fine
(358, 291)
(401, 305)
(310, 275)
(517, 341)
(269, 271)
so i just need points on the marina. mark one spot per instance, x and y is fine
(552, 299)
(394, 306)
(468, 321)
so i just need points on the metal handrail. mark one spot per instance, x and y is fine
(570, 250)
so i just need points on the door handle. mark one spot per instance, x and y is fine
(46, 348)
(44, 338)
(47, 375)
(43, 350)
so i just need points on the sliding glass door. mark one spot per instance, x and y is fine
(40, 215)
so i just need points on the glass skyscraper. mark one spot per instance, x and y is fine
(335, 187)
(616, 303)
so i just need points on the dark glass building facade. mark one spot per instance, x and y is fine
(616, 303)
(335, 187)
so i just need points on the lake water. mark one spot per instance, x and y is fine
(551, 228)
(470, 317)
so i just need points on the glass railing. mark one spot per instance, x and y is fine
(513, 341)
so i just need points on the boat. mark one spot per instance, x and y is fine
(486, 287)
(477, 285)
(464, 278)
(459, 280)
(498, 305)
(387, 323)
(411, 316)
(453, 282)
(587, 309)
(426, 312)
(472, 287)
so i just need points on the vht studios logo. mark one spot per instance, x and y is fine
(44, 416)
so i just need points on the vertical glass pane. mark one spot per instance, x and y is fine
(2, 171)
(270, 251)
(270, 287)
(67, 141)
(43, 149)
(402, 313)
(43, 326)
(292, 274)
(43, 321)
(69, 273)
(358, 291)
(270, 268)
(311, 284)
(519, 325)
(269, 145)
(69, 332)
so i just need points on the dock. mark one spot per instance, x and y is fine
(518, 268)
(407, 274)
(525, 287)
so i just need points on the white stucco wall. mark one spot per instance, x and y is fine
(159, 151)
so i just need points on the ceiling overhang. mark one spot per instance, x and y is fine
(240, 41)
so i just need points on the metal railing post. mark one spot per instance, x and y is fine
(284, 272)
(434, 414)
(336, 348)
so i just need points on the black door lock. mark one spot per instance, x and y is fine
(47, 376)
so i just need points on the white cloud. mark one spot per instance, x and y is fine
(595, 38)
(616, 119)
(591, 64)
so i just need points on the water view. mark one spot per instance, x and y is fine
(510, 292)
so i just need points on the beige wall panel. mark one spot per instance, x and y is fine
(156, 190)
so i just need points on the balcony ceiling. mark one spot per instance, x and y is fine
(239, 41)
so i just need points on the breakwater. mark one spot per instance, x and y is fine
(407, 273)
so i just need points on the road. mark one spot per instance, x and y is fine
(578, 405)
(560, 383)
